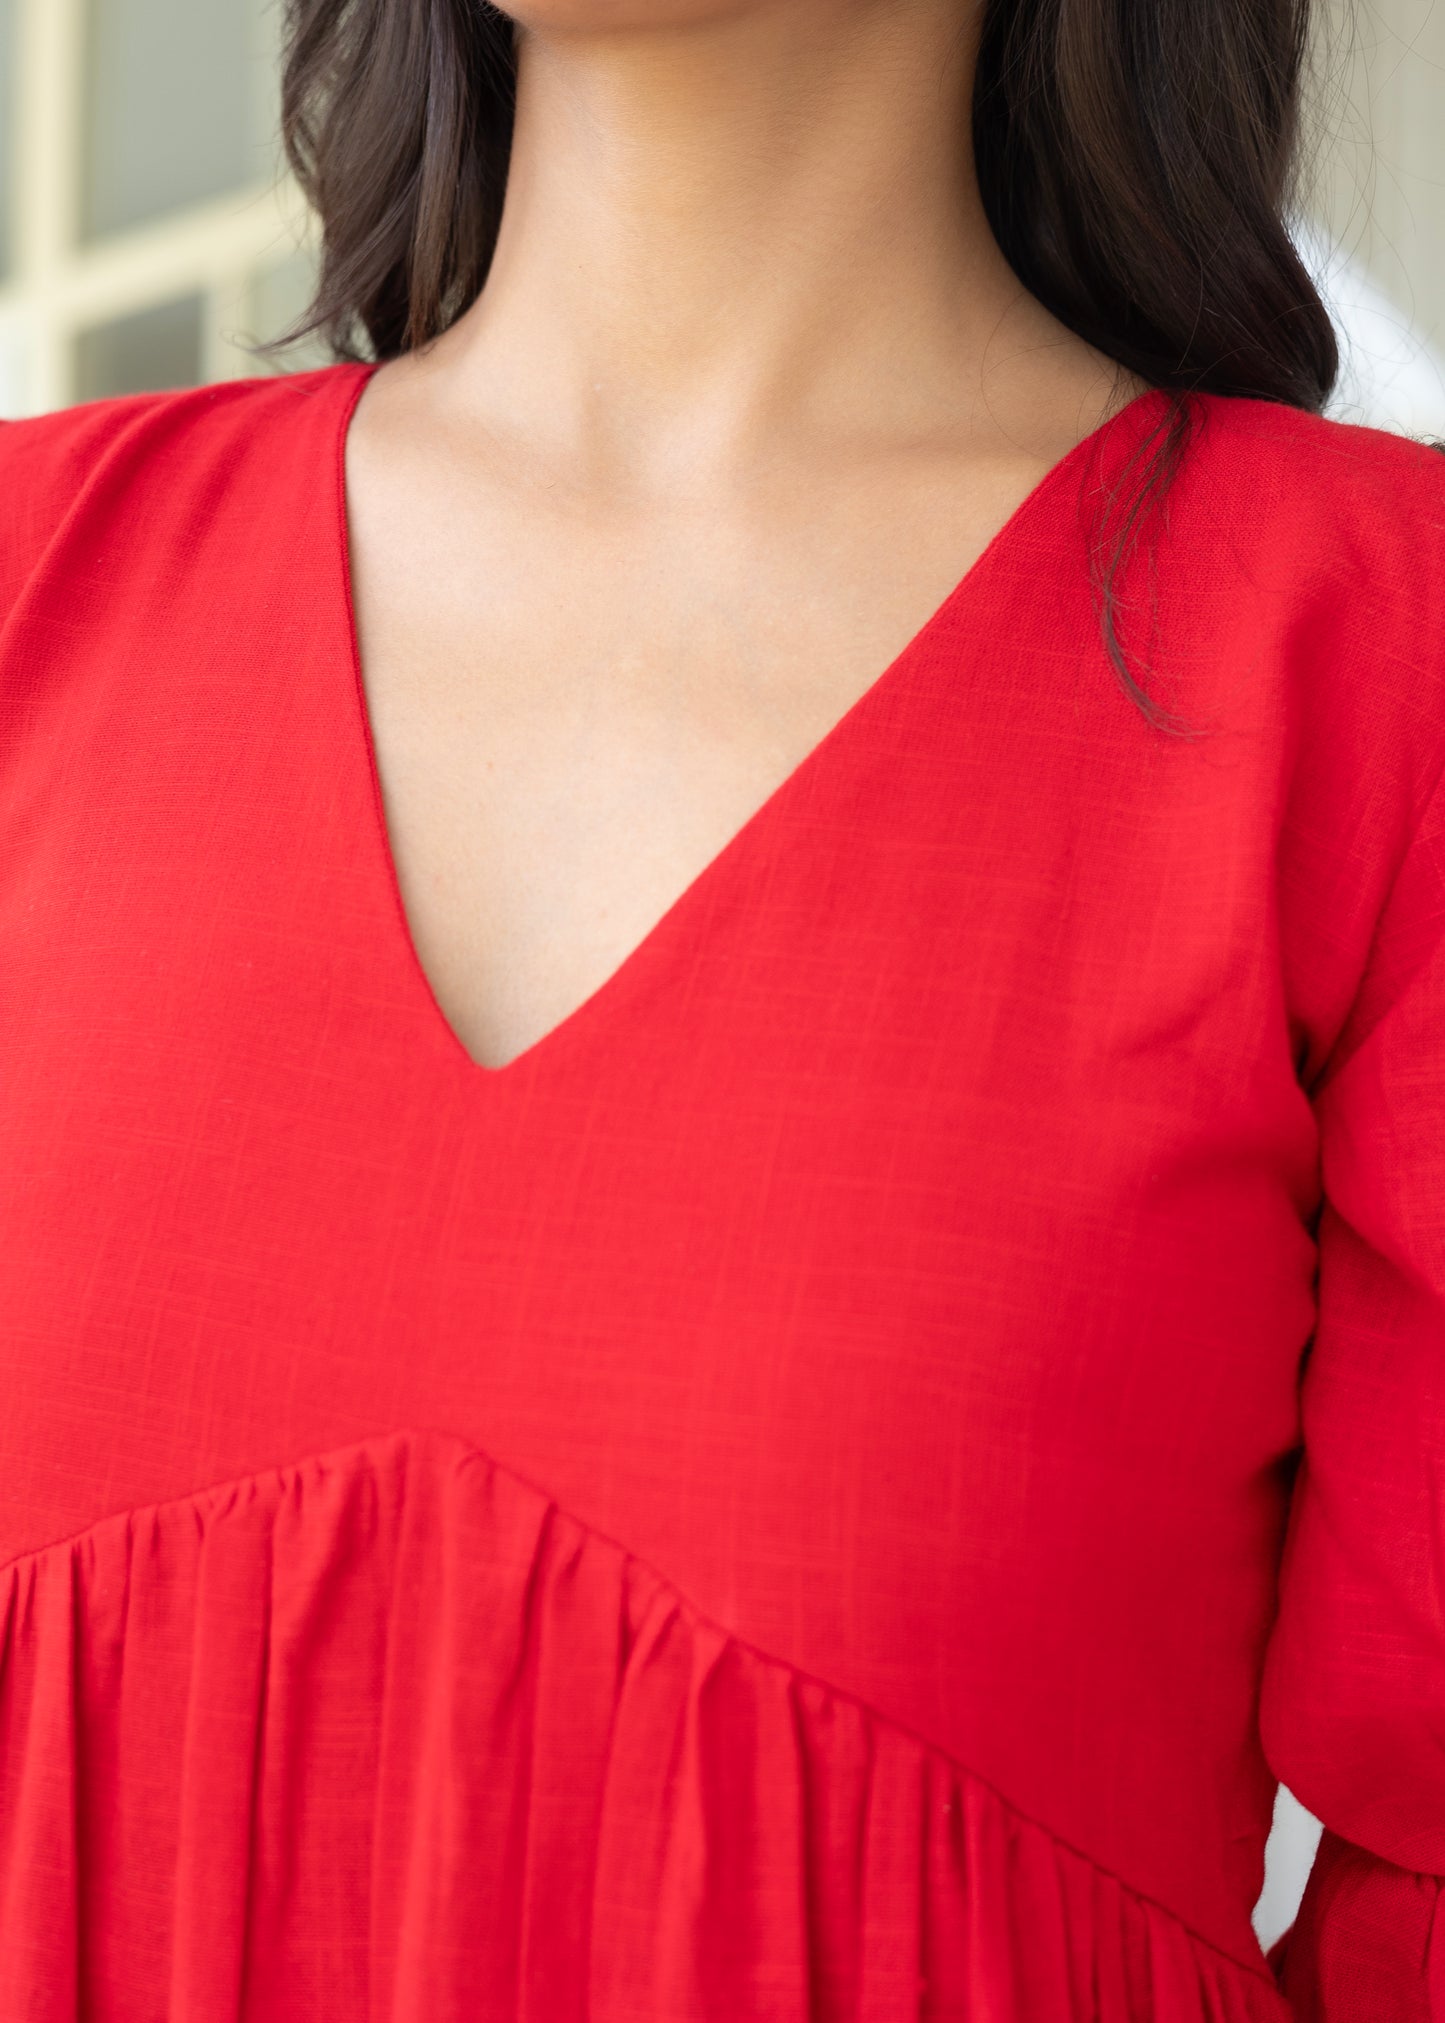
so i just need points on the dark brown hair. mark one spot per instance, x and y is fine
(1136, 159)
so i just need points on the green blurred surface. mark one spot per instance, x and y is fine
(179, 106)
(144, 353)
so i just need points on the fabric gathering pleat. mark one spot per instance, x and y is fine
(321, 1743)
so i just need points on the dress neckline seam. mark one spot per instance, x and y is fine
(709, 885)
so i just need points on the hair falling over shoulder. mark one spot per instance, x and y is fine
(1137, 161)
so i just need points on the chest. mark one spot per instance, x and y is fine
(950, 1087)
(573, 710)
(906, 1235)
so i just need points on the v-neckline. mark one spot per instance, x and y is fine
(591, 1010)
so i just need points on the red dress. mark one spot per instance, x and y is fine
(771, 1505)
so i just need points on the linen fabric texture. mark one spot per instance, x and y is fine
(834, 1485)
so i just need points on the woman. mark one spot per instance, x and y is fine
(723, 1029)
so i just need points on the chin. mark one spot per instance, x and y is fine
(573, 17)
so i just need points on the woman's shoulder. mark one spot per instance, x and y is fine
(1293, 592)
(1324, 497)
(1315, 547)
(50, 456)
(144, 461)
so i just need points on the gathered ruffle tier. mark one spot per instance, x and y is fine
(385, 1735)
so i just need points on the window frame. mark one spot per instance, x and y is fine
(59, 284)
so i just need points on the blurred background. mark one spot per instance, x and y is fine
(148, 235)
(146, 232)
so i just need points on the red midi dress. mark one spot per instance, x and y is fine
(829, 1489)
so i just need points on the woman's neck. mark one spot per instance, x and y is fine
(744, 232)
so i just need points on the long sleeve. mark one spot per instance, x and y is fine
(1353, 1703)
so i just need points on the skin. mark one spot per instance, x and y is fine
(748, 390)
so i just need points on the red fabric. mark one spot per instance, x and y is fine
(1369, 1942)
(771, 1505)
